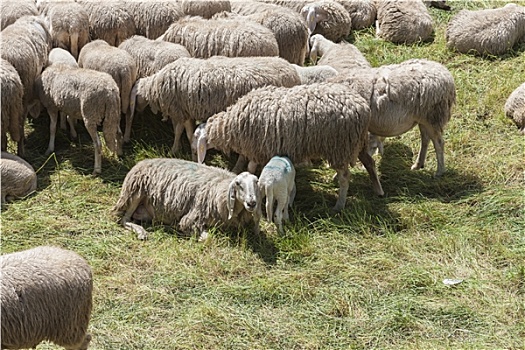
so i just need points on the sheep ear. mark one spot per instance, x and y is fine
(202, 146)
(231, 198)
(311, 20)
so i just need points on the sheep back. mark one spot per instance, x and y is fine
(362, 12)
(12, 93)
(46, 295)
(337, 24)
(328, 121)
(205, 8)
(11, 10)
(343, 56)
(204, 38)
(152, 18)
(515, 107)
(18, 178)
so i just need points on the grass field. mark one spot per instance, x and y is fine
(367, 278)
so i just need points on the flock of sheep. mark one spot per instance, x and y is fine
(237, 70)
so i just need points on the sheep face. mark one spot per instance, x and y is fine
(244, 189)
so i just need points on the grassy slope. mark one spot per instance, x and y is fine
(369, 277)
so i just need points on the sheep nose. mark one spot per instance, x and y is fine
(251, 204)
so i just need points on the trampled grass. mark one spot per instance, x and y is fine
(369, 277)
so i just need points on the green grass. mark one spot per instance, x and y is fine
(367, 278)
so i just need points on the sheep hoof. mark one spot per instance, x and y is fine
(48, 152)
(204, 236)
(96, 172)
(337, 208)
(417, 166)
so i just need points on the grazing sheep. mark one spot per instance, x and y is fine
(194, 196)
(12, 95)
(315, 74)
(486, 32)
(277, 183)
(222, 37)
(17, 176)
(191, 89)
(403, 21)
(342, 56)
(109, 21)
(82, 94)
(68, 24)
(100, 56)
(515, 107)
(328, 121)
(152, 55)
(58, 55)
(11, 10)
(153, 17)
(289, 28)
(205, 8)
(362, 12)
(401, 96)
(47, 294)
(328, 18)
(29, 42)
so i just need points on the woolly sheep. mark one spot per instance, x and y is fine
(288, 27)
(328, 121)
(47, 294)
(486, 32)
(12, 93)
(82, 94)
(109, 21)
(401, 96)
(11, 10)
(403, 21)
(205, 8)
(152, 55)
(341, 56)
(193, 196)
(204, 38)
(362, 12)
(100, 56)
(18, 177)
(515, 107)
(153, 17)
(328, 18)
(277, 183)
(68, 24)
(191, 89)
(315, 74)
(29, 42)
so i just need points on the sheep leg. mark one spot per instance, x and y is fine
(63, 122)
(72, 124)
(240, 164)
(370, 166)
(252, 167)
(269, 205)
(178, 128)
(83, 345)
(129, 121)
(53, 117)
(289, 201)
(422, 155)
(92, 130)
(126, 219)
(189, 127)
(439, 147)
(281, 207)
(343, 176)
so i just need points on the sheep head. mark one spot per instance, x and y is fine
(244, 189)
(313, 14)
(199, 144)
(316, 41)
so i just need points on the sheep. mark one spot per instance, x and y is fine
(190, 195)
(99, 55)
(152, 55)
(109, 21)
(439, 4)
(12, 94)
(153, 17)
(328, 121)
(277, 182)
(205, 8)
(204, 38)
(82, 94)
(328, 18)
(403, 22)
(68, 24)
(29, 42)
(11, 10)
(47, 294)
(341, 56)
(315, 74)
(191, 89)
(362, 12)
(401, 96)
(515, 107)
(289, 28)
(486, 32)
(18, 177)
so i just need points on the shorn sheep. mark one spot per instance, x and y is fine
(341, 56)
(100, 56)
(222, 37)
(12, 94)
(403, 21)
(191, 89)
(328, 121)
(486, 32)
(82, 94)
(515, 107)
(277, 184)
(401, 96)
(18, 178)
(152, 55)
(46, 294)
(194, 197)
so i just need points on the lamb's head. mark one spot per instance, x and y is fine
(244, 189)
(313, 14)
(316, 41)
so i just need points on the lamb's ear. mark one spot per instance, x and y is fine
(232, 194)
